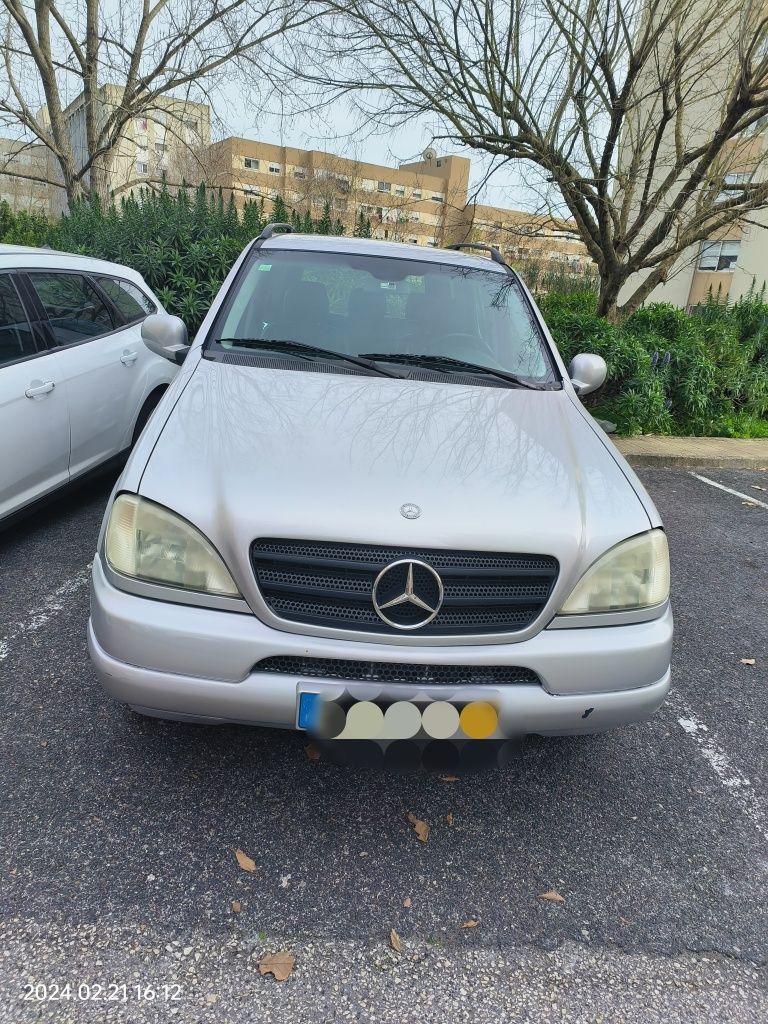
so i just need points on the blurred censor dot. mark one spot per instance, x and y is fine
(440, 720)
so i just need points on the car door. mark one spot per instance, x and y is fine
(34, 414)
(101, 364)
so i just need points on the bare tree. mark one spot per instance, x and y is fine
(643, 116)
(54, 51)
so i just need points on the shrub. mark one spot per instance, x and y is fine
(671, 372)
(23, 227)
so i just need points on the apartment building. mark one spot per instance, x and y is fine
(172, 141)
(419, 202)
(730, 262)
(524, 237)
(424, 201)
(18, 159)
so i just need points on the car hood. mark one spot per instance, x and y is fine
(252, 452)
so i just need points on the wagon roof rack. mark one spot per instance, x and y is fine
(278, 228)
(495, 254)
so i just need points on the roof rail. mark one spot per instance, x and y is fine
(495, 254)
(272, 229)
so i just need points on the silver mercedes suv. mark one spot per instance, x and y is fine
(373, 477)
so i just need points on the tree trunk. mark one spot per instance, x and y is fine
(608, 296)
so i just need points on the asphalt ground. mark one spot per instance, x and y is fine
(117, 833)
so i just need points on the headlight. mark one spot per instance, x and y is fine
(149, 542)
(634, 574)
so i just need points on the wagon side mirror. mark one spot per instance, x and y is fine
(587, 372)
(166, 336)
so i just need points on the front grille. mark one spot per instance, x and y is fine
(330, 584)
(393, 672)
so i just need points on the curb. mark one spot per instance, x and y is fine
(694, 453)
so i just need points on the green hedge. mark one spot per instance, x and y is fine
(670, 372)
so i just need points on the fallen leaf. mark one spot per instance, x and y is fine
(245, 861)
(421, 828)
(449, 818)
(472, 923)
(407, 902)
(284, 880)
(280, 964)
(749, 504)
(236, 906)
(394, 941)
(552, 896)
(313, 754)
(624, 920)
(747, 661)
(757, 487)
(448, 778)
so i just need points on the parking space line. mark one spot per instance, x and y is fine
(730, 490)
(738, 785)
(51, 606)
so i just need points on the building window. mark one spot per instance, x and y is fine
(192, 123)
(437, 197)
(416, 193)
(414, 218)
(141, 124)
(399, 190)
(384, 186)
(142, 167)
(737, 178)
(251, 190)
(414, 241)
(274, 168)
(159, 150)
(299, 172)
(718, 255)
(340, 204)
(251, 163)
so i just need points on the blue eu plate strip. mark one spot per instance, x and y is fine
(308, 710)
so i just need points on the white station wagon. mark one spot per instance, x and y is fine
(77, 385)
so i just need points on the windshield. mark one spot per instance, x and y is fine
(379, 307)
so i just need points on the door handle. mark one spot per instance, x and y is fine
(128, 357)
(41, 388)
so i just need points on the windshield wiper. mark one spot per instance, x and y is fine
(304, 351)
(438, 362)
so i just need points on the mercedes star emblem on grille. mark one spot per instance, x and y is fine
(409, 592)
(410, 511)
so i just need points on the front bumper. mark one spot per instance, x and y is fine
(178, 661)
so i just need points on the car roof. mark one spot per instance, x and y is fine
(377, 247)
(28, 256)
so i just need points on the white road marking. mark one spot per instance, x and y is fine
(737, 494)
(51, 606)
(735, 781)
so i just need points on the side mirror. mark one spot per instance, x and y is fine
(587, 372)
(166, 336)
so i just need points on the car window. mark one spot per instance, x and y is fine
(132, 304)
(74, 307)
(358, 304)
(16, 338)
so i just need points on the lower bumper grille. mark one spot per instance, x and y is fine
(395, 672)
(331, 584)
